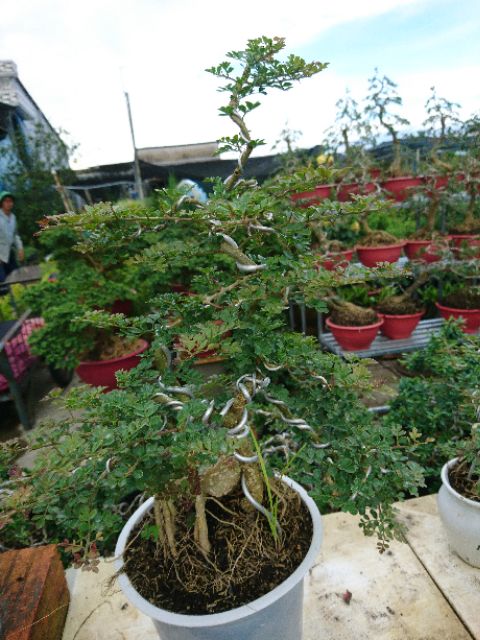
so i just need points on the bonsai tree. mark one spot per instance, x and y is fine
(208, 449)
(348, 138)
(380, 108)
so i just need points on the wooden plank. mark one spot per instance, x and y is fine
(458, 581)
(393, 597)
(33, 594)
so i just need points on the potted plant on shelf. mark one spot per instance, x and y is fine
(401, 313)
(353, 327)
(377, 246)
(459, 496)
(67, 340)
(462, 303)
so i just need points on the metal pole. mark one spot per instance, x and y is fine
(136, 164)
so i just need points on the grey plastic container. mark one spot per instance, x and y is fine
(277, 615)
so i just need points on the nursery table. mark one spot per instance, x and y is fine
(8, 330)
(415, 591)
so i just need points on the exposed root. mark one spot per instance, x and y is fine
(201, 526)
(348, 314)
(242, 552)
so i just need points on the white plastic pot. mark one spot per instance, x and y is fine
(461, 519)
(278, 615)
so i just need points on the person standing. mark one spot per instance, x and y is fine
(9, 237)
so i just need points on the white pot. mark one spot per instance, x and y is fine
(278, 615)
(461, 519)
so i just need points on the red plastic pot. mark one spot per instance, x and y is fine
(422, 250)
(401, 188)
(399, 327)
(333, 261)
(354, 338)
(373, 256)
(375, 173)
(311, 197)
(101, 373)
(471, 317)
(346, 191)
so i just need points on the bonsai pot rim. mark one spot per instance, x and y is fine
(369, 247)
(366, 327)
(234, 615)
(367, 253)
(442, 307)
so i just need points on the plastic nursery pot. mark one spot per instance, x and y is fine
(373, 256)
(461, 518)
(278, 614)
(421, 250)
(471, 317)
(354, 338)
(401, 188)
(311, 197)
(398, 327)
(101, 373)
(335, 260)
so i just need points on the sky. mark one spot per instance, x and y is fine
(77, 59)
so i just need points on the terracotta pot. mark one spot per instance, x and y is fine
(354, 338)
(101, 373)
(401, 188)
(346, 191)
(311, 197)
(471, 317)
(373, 256)
(400, 327)
(333, 261)
(421, 250)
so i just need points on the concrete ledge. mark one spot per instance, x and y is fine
(393, 596)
